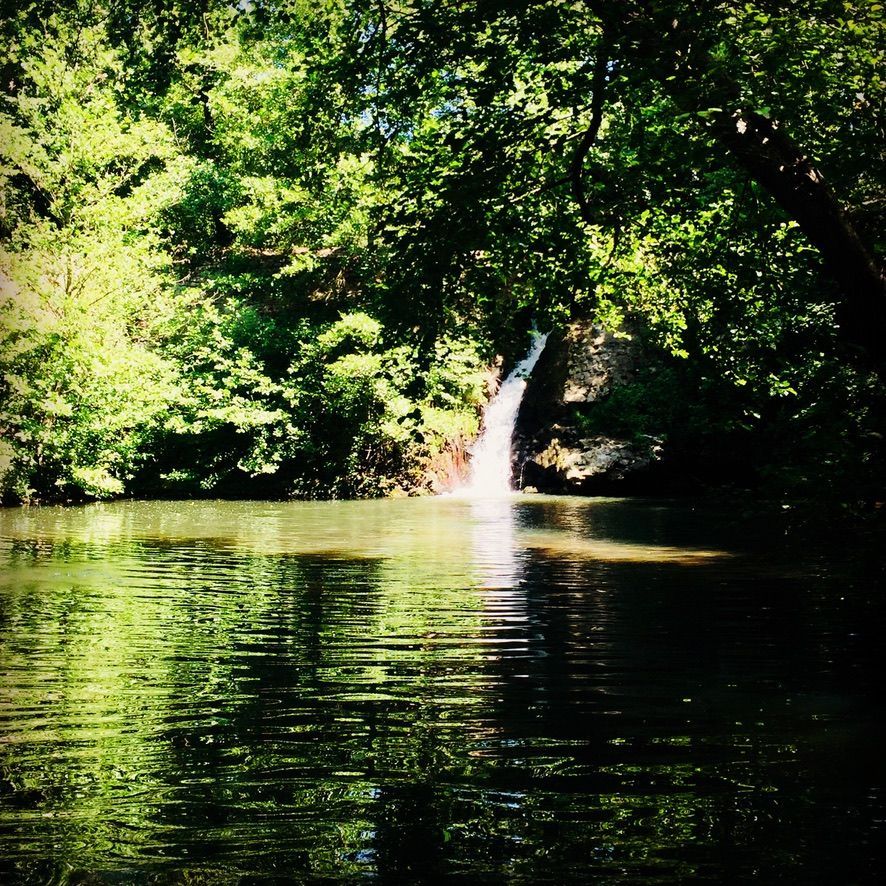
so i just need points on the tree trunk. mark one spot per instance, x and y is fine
(672, 49)
(775, 162)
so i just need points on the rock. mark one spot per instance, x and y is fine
(597, 360)
(586, 465)
(580, 366)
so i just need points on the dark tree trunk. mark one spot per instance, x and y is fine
(775, 162)
(670, 39)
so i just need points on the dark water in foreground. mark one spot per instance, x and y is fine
(535, 690)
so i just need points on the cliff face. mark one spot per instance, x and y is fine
(580, 367)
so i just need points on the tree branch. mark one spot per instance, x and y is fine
(589, 139)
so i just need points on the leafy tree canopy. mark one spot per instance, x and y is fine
(270, 247)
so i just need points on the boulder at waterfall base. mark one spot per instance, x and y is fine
(587, 465)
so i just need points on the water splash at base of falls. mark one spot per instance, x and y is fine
(490, 474)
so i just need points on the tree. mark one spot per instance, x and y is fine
(207, 192)
(683, 48)
(724, 66)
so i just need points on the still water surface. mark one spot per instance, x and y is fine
(520, 690)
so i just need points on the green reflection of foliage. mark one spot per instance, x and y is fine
(342, 690)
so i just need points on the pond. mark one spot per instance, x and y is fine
(527, 689)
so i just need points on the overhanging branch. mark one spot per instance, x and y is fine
(589, 139)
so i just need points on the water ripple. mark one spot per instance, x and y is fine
(524, 690)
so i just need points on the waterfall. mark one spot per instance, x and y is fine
(491, 455)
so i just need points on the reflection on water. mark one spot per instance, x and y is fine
(497, 554)
(526, 689)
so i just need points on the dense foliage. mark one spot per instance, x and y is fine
(270, 249)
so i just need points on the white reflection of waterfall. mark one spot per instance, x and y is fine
(498, 561)
(491, 454)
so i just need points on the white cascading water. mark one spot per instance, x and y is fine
(491, 455)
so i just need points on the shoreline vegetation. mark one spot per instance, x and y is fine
(255, 251)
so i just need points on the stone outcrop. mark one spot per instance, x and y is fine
(580, 366)
(587, 465)
(597, 360)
